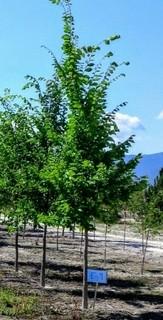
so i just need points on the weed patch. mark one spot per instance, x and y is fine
(13, 303)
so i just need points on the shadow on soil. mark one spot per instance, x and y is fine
(142, 316)
(112, 261)
(3, 243)
(128, 297)
(130, 244)
(69, 273)
(49, 265)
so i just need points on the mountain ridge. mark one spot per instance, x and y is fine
(149, 165)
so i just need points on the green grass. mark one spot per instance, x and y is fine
(13, 303)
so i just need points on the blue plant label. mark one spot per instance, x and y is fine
(97, 276)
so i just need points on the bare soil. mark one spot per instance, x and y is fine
(128, 295)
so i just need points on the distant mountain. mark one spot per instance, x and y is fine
(149, 165)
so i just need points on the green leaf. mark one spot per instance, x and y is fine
(107, 41)
(88, 69)
(114, 64)
(111, 38)
(115, 37)
(109, 54)
(56, 1)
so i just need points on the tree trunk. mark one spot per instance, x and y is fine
(81, 243)
(85, 266)
(142, 241)
(73, 232)
(124, 232)
(16, 250)
(94, 231)
(43, 264)
(144, 253)
(57, 240)
(106, 229)
(35, 223)
(24, 228)
(63, 231)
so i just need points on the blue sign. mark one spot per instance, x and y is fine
(97, 276)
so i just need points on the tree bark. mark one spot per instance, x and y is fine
(16, 250)
(106, 229)
(144, 253)
(81, 243)
(63, 231)
(57, 240)
(35, 223)
(85, 266)
(124, 232)
(94, 231)
(73, 232)
(24, 228)
(43, 264)
(142, 241)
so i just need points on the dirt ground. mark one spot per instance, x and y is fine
(128, 295)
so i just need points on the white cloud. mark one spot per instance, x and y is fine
(127, 124)
(160, 116)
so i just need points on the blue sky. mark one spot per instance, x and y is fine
(26, 25)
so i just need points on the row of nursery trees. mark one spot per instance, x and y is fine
(146, 206)
(60, 164)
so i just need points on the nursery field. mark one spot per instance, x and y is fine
(128, 294)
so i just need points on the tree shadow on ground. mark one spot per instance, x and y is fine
(114, 261)
(155, 271)
(76, 276)
(125, 283)
(3, 243)
(151, 316)
(130, 244)
(128, 297)
(3, 228)
(70, 273)
(125, 316)
(49, 265)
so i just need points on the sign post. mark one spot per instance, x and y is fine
(95, 296)
(96, 276)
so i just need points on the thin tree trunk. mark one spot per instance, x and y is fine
(85, 266)
(143, 238)
(142, 242)
(124, 232)
(24, 228)
(144, 253)
(106, 229)
(57, 242)
(94, 232)
(43, 264)
(73, 232)
(16, 250)
(81, 243)
(63, 231)
(35, 223)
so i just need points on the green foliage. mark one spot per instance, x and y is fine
(56, 1)
(14, 304)
(59, 160)
(110, 214)
(49, 122)
(30, 132)
(143, 204)
(158, 190)
(112, 38)
(16, 160)
(92, 171)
